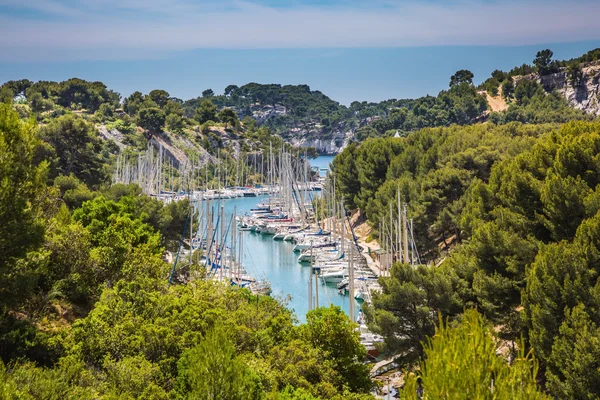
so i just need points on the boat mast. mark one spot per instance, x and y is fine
(310, 277)
(351, 283)
(405, 227)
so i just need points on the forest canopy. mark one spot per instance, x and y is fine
(506, 218)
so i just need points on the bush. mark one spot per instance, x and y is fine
(462, 360)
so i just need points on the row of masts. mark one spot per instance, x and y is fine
(219, 239)
(157, 171)
(396, 236)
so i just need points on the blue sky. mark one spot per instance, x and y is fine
(350, 50)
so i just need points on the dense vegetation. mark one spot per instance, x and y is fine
(519, 204)
(449, 370)
(543, 64)
(289, 108)
(87, 310)
(306, 109)
(506, 214)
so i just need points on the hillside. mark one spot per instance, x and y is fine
(506, 220)
(302, 116)
(547, 91)
(496, 103)
(501, 190)
(581, 87)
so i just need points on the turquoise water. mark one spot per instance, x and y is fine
(322, 162)
(276, 262)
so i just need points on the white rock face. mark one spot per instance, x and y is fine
(311, 134)
(584, 97)
(113, 135)
(261, 113)
(333, 144)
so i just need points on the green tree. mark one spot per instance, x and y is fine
(133, 103)
(212, 370)
(405, 310)
(8, 389)
(208, 93)
(160, 97)
(73, 191)
(152, 119)
(229, 117)
(508, 89)
(461, 361)
(17, 87)
(526, 89)
(331, 331)
(230, 89)
(543, 61)
(39, 104)
(346, 174)
(372, 162)
(574, 74)
(206, 112)
(77, 145)
(22, 184)
(574, 371)
(175, 123)
(462, 76)
(6, 94)
(173, 107)
(105, 112)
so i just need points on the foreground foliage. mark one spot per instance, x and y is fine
(461, 362)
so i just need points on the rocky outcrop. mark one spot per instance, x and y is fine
(162, 143)
(113, 134)
(583, 95)
(261, 113)
(326, 140)
(333, 144)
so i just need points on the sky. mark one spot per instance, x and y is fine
(348, 49)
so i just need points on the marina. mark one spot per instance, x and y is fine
(286, 237)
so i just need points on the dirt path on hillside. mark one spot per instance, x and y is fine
(497, 103)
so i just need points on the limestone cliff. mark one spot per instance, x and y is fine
(583, 95)
(325, 139)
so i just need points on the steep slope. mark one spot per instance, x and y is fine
(496, 103)
(582, 92)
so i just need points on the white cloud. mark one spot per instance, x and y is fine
(138, 26)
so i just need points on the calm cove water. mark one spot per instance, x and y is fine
(322, 162)
(275, 261)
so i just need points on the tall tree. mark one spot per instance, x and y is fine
(152, 119)
(405, 311)
(6, 94)
(159, 96)
(230, 89)
(133, 103)
(332, 332)
(543, 60)
(213, 371)
(346, 174)
(574, 371)
(461, 76)
(508, 89)
(77, 146)
(174, 122)
(229, 117)
(22, 181)
(206, 112)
